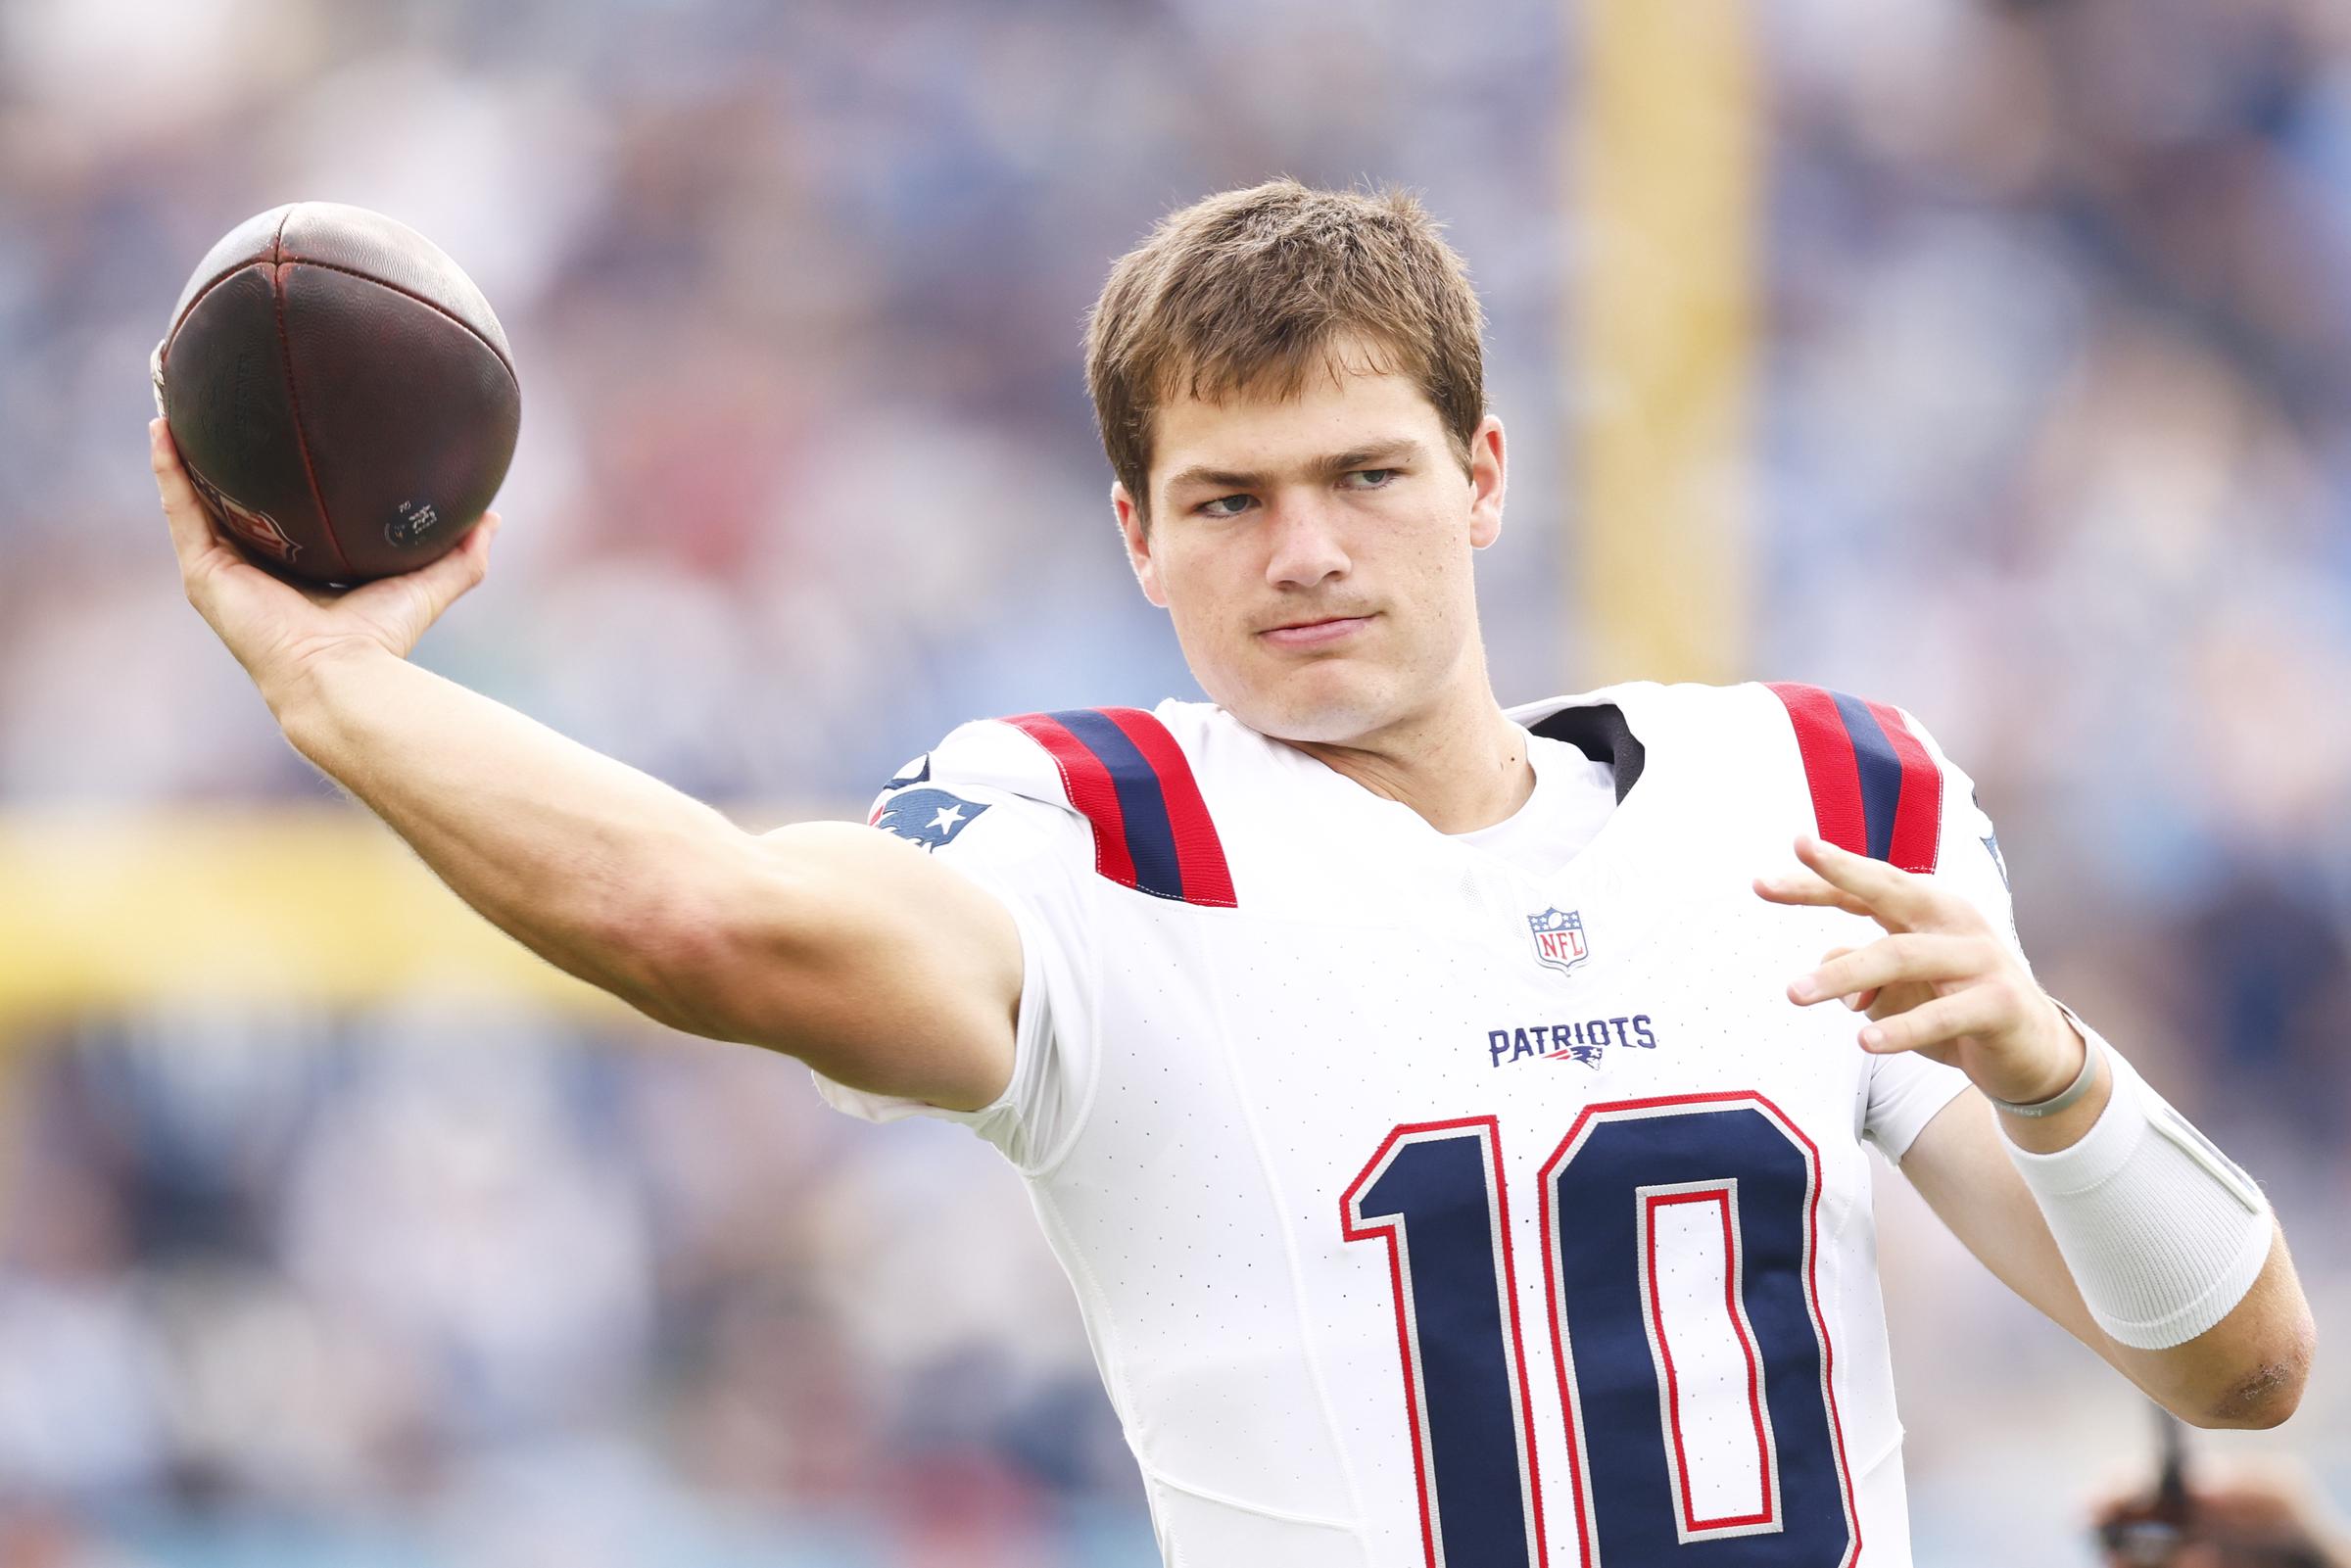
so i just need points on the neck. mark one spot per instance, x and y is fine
(1462, 769)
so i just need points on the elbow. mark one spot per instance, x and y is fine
(685, 965)
(708, 961)
(645, 959)
(2271, 1391)
(671, 965)
(651, 945)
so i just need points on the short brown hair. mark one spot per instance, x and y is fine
(1251, 289)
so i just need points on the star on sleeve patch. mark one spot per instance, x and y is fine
(931, 818)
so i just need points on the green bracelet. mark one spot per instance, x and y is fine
(2070, 1093)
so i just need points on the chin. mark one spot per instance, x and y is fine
(1318, 704)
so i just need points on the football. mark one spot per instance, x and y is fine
(339, 391)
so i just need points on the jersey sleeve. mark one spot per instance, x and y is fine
(988, 803)
(1906, 1090)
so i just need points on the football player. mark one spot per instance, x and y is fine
(1443, 1111)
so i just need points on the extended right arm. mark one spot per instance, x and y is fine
(798, 940)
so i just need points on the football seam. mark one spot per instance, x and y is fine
(410, 294)
(222, 276)
(302, 440)
(202, 295)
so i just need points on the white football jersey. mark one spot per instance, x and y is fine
(1425, 1208)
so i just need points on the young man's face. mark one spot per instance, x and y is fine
(1314, 552)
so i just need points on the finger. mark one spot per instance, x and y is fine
(476, 548)
(1858, 1002)
(192, 532)
(1914, 957)
(1974, 1011)
(442, 581)
(1800, 888)
(449, 577)
(1899, 899)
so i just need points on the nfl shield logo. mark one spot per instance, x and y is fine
(1559, 938)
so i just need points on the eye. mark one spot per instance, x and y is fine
(1374, 478)
(1223, 506)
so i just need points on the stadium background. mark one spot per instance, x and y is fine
(1987, 357)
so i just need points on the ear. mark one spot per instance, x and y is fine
(1138, 545)
(1488, 477)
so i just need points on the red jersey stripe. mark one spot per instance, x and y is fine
(1087, 781)
(1830, 767)
(1199, 852)
(1918, 820)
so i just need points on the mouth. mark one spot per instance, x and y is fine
(1315, 633)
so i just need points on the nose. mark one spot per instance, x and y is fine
(1305, 547)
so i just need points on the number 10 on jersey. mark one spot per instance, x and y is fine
(1679, 1238)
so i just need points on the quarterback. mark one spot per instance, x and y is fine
(1451, 1117)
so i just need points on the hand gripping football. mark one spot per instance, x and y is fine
(339, 391)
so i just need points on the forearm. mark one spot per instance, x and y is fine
(587, 862)
(2244, 1370)
(2180, 1274)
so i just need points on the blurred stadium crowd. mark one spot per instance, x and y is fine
(2055, 390)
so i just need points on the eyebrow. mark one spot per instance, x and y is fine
(1395, 453)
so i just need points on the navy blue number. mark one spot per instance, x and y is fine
(1603, 1191)
(1433, 1191)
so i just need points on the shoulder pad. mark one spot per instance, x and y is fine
(1119, 768)
(985, 754)
(1875, 789)
(1123, 770)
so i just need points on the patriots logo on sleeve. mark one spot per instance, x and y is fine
(931, 818)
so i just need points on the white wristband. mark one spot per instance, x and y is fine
(2163, 1233)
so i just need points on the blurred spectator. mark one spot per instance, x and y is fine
(2255, 1518)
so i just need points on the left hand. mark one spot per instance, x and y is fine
(1939, 982)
